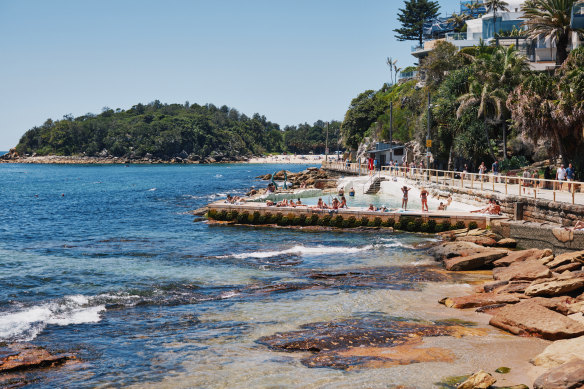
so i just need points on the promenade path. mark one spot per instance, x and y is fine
(534, 188)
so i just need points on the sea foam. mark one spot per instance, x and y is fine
(26, 324)
(304, 250)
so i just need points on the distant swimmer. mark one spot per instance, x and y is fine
(352, 192)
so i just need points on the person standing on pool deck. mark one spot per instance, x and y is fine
(405, 191)
(424, 197)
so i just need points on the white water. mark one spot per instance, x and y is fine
(303, 250)
(26, 324)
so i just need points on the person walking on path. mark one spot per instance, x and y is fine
(570, 176)
(424, 197)
(482, 170)
(405, 191)
(561, 175)
(495, 170)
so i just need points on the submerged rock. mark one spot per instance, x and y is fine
(370, 342)
(480, 300)
(24, 356)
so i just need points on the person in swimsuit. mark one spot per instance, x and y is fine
(343, 203)
(424, 197)
(405, 191)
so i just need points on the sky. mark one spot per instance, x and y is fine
(292, 61)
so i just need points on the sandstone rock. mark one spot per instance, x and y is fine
(530, 318)
(491, 286)
(577, 256)
(456, 249)
(560, 352)
(479, 380)
(23, 356)
(567, 376)
(514, 287)
(563, 235)
(480, 240)
(559, 304)
(520, 256)
(507, 242)
(527, 271)
(476, 261)
(555, 287)
(568, 267)
(480, 300)
(563, 259)
(546, 260)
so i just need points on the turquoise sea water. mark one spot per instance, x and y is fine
(107, 263)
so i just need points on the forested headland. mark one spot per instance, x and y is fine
(169, 131)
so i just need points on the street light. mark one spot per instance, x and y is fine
(428, 139)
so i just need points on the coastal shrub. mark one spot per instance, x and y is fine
(425, 227)
(229, 216)
(460, 224)
(302, 220)
(234, 214)
(296, 221)
(255, 219)
(371, 223)
(439, 227)
(284, 221)
(446, 225)
(268, 217)
(390, 222)
(346, 223)
(364, 221)
(212, 214)
(431, 225)
(314, 219)
(352, 221)
(222, 215)
(326, 220)
(377, 221)
(403, 222)
(337, 221)
(411, 226)
(277, 218)
(243, 218)
(418, 224)
(473, 225)
(260, 220)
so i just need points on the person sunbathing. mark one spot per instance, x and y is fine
(321, 204)
(343, 203)
(299, 202)
(335, 203)
(283, 203)
(270, 203)
(442, 206)
(486, 209)
(371, 207)
(292, 204)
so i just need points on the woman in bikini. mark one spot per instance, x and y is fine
(405, 191)
(424, 197)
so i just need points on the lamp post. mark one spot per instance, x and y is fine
(391, 132)
(428, 139)
(326, 144)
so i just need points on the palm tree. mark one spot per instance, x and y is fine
(458, 20)
(550, 19)
(495, 77)
(496, 5)
(473, 8)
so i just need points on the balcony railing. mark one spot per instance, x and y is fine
(417, 48)
(464, 36)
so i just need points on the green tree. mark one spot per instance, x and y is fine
(439, 62)
(496, 5)
(413, 17)
(550, 19)
(458, 20)
(363, 112)
(546, 106)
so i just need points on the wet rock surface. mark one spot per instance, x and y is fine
(480, 300)
(482, 260)
(23, 356)
(367, 342)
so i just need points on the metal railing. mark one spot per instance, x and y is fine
(536, 188)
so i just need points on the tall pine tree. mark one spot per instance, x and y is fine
(413, 17)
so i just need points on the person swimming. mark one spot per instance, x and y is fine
(352, 192)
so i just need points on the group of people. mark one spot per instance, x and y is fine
(285, 203)
(336, 204)
(234, 199)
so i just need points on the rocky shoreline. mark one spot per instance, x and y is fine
(533, 293)
(80, 160)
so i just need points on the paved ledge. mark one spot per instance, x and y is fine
(439, 216)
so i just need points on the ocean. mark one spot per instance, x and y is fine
(106, 262)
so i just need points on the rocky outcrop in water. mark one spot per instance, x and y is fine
(24, 356)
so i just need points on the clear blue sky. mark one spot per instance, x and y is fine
(292, 61)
